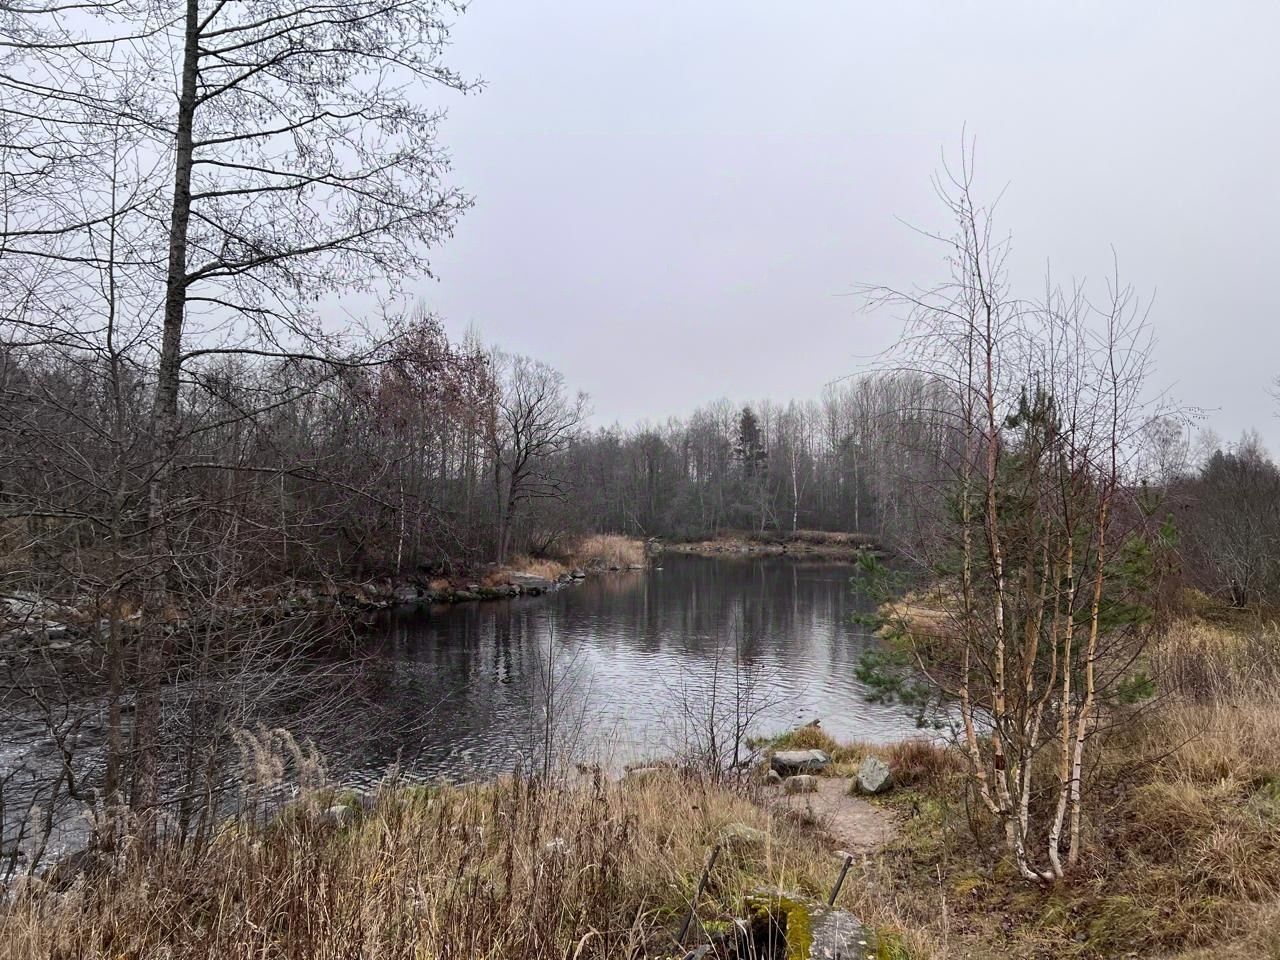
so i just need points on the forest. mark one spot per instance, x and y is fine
(227, 422)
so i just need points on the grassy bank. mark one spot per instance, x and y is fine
(823, 544)
(1182, 854)
(513, 870)
(595, 553)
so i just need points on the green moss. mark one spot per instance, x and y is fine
(798, 921)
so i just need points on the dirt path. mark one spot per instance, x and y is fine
(854, 825)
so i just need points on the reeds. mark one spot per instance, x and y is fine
(517, 869)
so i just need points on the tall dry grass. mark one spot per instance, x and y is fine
(543, 567)
(516, 870)
(1206, 662)
(1183, 833)
(608, 550)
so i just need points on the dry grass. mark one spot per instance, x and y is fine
(816, 538)
(1220, 662)
(608, 550)
(512, 870)
(534, 567)
(1183, 831)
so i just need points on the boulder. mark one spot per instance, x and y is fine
(773, 778)
(800, 761)
(874, 776)
(800, 783)
(838, 933)
(742, 838)
(792, 925)
(407, 594)
(578, 574)
(530, 583)
(339, 815)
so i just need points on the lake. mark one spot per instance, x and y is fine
(628, 665)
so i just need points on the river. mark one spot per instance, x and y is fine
(630, 665)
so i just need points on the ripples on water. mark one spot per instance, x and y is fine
(460, 691)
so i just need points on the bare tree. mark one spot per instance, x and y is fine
(289, 158)
(536, 420)
(1047, 409)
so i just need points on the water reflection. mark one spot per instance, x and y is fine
(628, 662)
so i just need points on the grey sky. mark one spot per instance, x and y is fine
(673, 198)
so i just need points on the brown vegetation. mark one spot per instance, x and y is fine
(1182, 853)
(514, 869)
(826, 544)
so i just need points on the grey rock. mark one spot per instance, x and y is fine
(743, 838)
(800, 761)
(773, 777)
(839, 934)
(801, 783)
(407, 594)
(578, 574)
(833, 934)
(874, 776)
(338, 815)
(530, 583)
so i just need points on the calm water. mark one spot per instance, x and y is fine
(635, 664)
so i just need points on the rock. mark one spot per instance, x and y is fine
(407, 594)
(742, 838)
(530, 583)
(339, 815)
(578, 574)
(800, 761)
(801, 783)
(808, 929)
(53, 630)
(874, 776)
(462, 596)
(838, 933)
(773, 777)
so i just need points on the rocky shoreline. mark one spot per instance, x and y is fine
(65, 624)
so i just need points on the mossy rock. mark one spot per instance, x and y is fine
(790, 927)
(780, 926)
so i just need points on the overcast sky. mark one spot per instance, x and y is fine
(674, 200)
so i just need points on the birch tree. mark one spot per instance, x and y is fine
(1036, 555)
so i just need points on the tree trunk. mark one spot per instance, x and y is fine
(164, 427)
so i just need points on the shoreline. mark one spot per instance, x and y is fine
(814, 544)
